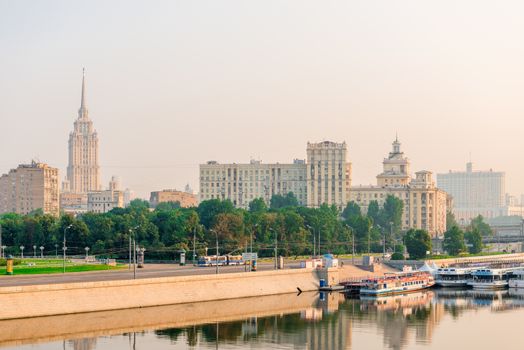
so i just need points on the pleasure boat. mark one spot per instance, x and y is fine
(486, 278)
(397, 283)
(517, 279)
(453, 276)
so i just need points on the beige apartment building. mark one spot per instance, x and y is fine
(241, 183)
(185, 199)
(104, 201)
(425, 205)
(83, 171)
(73, 203)
(328, 174)
(30, 187)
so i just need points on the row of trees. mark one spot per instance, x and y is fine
(169, 229)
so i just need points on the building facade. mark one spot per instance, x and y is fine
(73, 203)
(475, 193)
(104, 201)
(324, 178)
(185, 199)
(425, 205)
(241, 183)
(30, 187)
(328, 174)
(83, 171)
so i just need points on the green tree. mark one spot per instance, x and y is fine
(208, 210)
(454, 241)
(474, 239)
(450, 220)
(479, 224)
(257, 205)
(165, 206)
(374, 211)
(418, 242)
(352, 210)
(278, 201)
(392, 213)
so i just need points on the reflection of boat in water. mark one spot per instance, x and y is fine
(397, 283)
(453, 276)
(396, 301)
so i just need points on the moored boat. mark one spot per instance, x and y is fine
(397, 283)
(486, 278)
(517, 279)
(453, 276)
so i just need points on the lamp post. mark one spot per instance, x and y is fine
(194, 246)
(34, 252)
(87, 252)
(312, 230)
(64, 248)
(251, 248)
(216, 256)
(41, 252)
(131, 239)
(22, 251)
(3, 250)
(276, 247)
(56, 250)
(352, 244)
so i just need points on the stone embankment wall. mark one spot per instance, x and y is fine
(71, 298)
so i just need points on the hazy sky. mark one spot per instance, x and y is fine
(172, 84)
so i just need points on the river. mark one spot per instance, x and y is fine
(434, 319)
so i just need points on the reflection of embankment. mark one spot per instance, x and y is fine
(42, 329)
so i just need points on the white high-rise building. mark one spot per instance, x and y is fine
(475, 193)
(83, 171)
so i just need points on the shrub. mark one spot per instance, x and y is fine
(397, 256)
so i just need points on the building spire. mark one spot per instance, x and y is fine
(82, 112)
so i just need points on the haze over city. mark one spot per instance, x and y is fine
(171, 85)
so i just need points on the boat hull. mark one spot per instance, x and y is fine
(460, 283)
(516, 284)
(489, 286)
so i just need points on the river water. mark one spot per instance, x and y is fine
(435, 319)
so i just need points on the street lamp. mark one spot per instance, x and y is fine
(216, 256)
(34, 252)
(312, 230)
(276, 246)
(41, 252)
(87, 252)
(131, 231)
(64, 248)
(251, 248)
(3, 250)
(22, 250)
(353, 243)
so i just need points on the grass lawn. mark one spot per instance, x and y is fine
(42, 266)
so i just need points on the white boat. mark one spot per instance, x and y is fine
(453, 276)
(517, 279)
(397, 283)
(486, 278)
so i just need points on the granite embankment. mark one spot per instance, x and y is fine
(72, 298)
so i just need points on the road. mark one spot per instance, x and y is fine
(150, 271)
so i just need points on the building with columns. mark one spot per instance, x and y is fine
(425, 205)
(324, 178)
(328, 174)
(30, 187)
(83, 171)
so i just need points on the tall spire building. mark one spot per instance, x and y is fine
(83, 171)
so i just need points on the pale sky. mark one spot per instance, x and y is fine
(172, 84)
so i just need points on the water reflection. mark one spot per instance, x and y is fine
(330, 321)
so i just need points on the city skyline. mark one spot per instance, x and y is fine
(200, 89)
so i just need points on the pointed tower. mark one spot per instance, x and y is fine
(83, 171)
